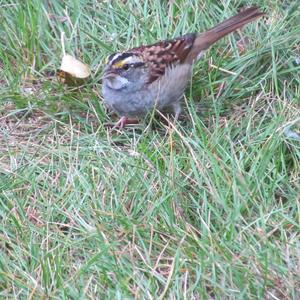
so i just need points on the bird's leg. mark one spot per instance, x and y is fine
(123, 122)
(177, 110)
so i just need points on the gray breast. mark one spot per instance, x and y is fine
(161, 93)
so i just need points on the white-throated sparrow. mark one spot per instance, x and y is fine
(155, 76)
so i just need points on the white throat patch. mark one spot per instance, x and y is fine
(116, 82)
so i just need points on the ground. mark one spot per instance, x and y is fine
(206, 208)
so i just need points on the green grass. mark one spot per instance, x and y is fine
(206, 209)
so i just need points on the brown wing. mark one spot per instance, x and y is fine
(165, 54)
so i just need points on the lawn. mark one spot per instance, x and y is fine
(204, 208)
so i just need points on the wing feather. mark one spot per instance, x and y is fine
(165, 54)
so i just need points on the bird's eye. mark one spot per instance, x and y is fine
(126, 67)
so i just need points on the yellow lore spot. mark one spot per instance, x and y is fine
(119, 64)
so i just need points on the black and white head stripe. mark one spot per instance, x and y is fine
(118, 60)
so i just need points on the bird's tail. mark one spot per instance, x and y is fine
(204, 40)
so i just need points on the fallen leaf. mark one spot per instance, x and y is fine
(72, 71)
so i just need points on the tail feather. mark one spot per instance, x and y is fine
(204, 40)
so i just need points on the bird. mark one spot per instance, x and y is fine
(142, 79)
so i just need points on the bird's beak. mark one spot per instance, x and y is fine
(114, 80)
(110, 75)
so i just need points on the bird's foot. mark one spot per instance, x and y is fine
(122, 123)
